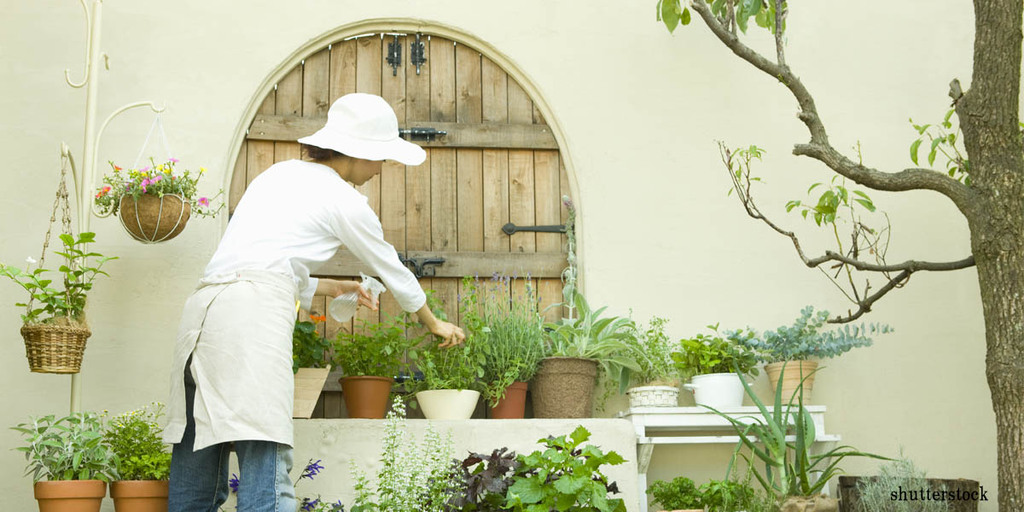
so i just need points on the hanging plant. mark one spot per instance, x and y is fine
(155, 202)
(54, 327)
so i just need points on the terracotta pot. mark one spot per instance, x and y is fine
(139, 495)
(70, 495)
(818, 503)
(795, 372)
(564, 387)
(513, 405)
(448, 404)
(154, 219)
(366, 396)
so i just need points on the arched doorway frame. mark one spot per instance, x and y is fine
(412, 26)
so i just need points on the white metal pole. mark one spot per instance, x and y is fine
(85, 178)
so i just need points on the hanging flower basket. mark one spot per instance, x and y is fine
(55, 348)
(152, 219)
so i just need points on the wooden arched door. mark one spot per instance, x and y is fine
(499, 162)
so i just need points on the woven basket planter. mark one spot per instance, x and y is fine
(55, 348)
(152, 219)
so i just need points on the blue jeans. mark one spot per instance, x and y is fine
(199, 479)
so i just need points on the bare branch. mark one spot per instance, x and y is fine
(741, 180)
(819, 147)
(780, 17)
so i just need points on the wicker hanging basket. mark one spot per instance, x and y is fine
(152, 219)
(55, 348)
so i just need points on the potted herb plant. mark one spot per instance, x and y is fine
(310, 364)
(68, 460)
(875, 493)
(799, 347)
(682, 495)
(54, 326)
(451, 384)
(656, 380)
(781, 439)
(154, 203)
(678, 495)
(709, 360)
(143, 462)
(371, 356)
(576, 348)
(510, 328)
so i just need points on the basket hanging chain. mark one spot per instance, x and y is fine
(62, 202)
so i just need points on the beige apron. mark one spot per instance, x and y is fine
(238, 330)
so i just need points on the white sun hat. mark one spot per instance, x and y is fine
(364, 126)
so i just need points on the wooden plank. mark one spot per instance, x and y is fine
(470, 135)
(520, 106)
(548, 200)
(259, 154)
(343, 70)
(418, 206)
(549, 292)
(468, 97)
(442, 80)
(494, 96)
(392, 177)
(444, 227)
(289, 103)
(334, 405)
(463, 263)
(238, 180)
(447, 291)
(308, 384)
(316, 75)
(368, 80)
(496, 200)
(494, 92)
(470, 194)
(522, 199)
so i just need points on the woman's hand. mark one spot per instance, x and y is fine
(335, 287)
(450, 333)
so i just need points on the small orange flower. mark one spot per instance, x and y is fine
(318, 318)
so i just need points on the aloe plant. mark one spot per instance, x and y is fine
(790, 469)
(589, 336)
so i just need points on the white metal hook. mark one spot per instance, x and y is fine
(88, 53)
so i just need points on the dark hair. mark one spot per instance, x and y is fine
(318, 154)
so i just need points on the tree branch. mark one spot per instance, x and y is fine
(819, 147)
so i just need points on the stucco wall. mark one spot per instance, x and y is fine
(639, 111)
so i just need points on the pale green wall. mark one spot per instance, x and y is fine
(639, 110)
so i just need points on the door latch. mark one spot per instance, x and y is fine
(417, 53)
(422, 267)
(421, 134)
(395, 55)
(511, 228)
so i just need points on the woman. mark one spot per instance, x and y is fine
(232, 379)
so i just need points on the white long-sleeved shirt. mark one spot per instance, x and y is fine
(293, 218)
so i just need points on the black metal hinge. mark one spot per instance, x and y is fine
(421, 267)
(395, 55)
(511, 228)
(421, 134)
(417, 53)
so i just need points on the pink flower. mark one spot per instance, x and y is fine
(204, 201)
(157, 178)
(172, 160)
(144, 169)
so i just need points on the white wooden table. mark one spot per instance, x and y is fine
(696, 425)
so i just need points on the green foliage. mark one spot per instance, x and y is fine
(565, 477)
(791, 468)
(835, 199)
(155, 180)
(67, 448)
(309, 348)
(898, 473)
(376, 348)
(413, 477)
(134, 437)
(710, 353)
(606, 340)
(512, 334)
(943, 139)
(79, 271)
(672, 13)
(680, 493)
(716, 495)
(805, 339)
(655, 350)
(457, 367)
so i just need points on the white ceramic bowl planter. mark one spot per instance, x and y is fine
(448, 404)
(653, 396)
(718, 390)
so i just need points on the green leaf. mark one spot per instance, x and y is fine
(685, 17)
(931, 154)
(814, 186)
(670, 14)
(529, 490)
(868, 205)
(913, 150)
